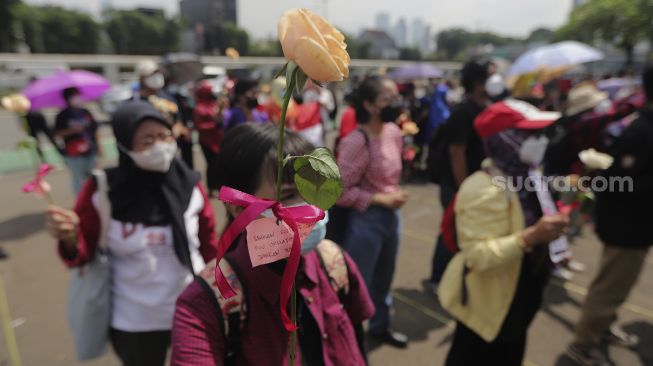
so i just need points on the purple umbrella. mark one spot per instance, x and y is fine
(48, 91)
(416, 71)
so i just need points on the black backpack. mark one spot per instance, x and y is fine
(438, 159)
(560, 152)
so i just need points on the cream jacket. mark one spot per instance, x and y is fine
(488, 224)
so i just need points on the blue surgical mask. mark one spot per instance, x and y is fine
(318, 233)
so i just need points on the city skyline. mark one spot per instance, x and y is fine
(259, 17)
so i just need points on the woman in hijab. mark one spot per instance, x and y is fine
(161, 232)
(493, 286)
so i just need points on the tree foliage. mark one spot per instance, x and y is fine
(541, 35)
(620, 22)
(267, 48)
(135, 32)
(53, 29)
(228, 35)
(410, 54)
(7, 36)
(453, 42)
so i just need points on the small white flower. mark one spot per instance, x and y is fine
(595, 160)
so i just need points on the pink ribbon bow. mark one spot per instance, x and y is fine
(254, 207)
(38, 185)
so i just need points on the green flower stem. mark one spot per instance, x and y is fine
(282, 128)
(36, 159)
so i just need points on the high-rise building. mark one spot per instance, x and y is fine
(208, 12)
(417, 33)
(382, 22)
(428, 42)
(400, 33)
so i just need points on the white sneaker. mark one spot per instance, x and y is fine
(576, 266)
(563, 274)
(620, 337)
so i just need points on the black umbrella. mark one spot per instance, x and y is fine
(180, 68)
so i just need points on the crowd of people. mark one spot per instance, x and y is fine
(494, 256)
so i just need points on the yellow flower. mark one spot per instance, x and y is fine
(232, 53)
(316, 46)
(16, 103)
(410, 128)
(163, 105)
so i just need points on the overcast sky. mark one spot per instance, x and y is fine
(259, 17)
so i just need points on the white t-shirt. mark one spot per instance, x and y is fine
(147, 277)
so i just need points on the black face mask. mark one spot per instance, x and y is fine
(390, 113)
(252, 103)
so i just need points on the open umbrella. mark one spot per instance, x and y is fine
(48, 91)
(555, 55)
(181, 67)
(416, 71)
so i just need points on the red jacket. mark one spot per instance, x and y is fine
(205, 118)
(198, 339)
(347, 122)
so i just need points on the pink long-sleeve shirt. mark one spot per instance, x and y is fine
(369, 168)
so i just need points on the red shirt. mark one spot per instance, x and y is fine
(205, 119)
(347, 122)
(370, 168)
(198, 339)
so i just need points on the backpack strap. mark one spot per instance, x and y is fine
(334, 264)
(104, 206)
(233, 310)
(365, 136)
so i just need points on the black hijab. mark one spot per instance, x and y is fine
(150, 198)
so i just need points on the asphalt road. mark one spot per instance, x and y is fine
(35, 284)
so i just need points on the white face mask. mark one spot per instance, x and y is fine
(533, 149)
(155, 81)
(604, 107)
(157, 158)
(494, 85)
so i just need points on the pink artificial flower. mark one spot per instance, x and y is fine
(38, 185)
(567, 209)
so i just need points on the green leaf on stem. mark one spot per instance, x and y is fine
(291, 68)
(287, 159)
(300, 80)
(317, 178)
(281, 72)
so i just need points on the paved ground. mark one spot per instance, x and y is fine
(35, 284)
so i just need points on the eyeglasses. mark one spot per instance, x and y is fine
(149, 140)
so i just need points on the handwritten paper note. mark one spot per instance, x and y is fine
(268, 242)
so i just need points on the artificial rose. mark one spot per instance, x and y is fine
(232, 53)
(409, 128)
(16, 103)
(595, 160)
(314, 45)
(163, 105)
